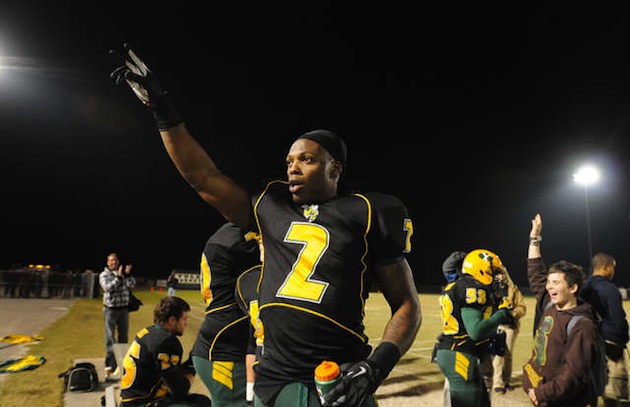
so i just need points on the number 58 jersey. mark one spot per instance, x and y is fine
(465, 292)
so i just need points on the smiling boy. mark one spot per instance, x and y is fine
(558, 372)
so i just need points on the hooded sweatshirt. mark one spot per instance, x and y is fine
(559, 366)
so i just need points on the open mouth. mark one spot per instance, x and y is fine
(295, 186)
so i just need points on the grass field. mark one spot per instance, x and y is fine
(79, 334)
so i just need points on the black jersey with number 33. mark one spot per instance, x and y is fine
(316, 277)
(153, 351)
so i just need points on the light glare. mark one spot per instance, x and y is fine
(586, 175)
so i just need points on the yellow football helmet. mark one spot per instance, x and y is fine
(482, 264)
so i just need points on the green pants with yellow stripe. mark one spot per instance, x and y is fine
(226, 381)
(463, 372)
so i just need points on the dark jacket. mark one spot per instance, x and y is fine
(606, 299)
(559, 367)
(172, 281)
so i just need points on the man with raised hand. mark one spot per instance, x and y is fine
(324, 247)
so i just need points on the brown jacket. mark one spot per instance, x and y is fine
(559, 366)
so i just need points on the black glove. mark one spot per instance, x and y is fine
(507, 318)
(363, 378)
(357, 383)
(499, 288)
(146, 87)
(497, 344)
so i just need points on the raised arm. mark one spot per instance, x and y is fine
(198, 169)
(191, 160)
(535, 237)
(536, 269)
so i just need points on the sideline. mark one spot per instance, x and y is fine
(27, 316)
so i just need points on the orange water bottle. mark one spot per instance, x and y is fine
(327, 375)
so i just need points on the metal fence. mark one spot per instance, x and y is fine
(47, 284)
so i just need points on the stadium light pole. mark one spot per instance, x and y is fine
(587, 175)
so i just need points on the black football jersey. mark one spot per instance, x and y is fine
(463, 292)
(316, 277)
(224, 332)
(153, 351)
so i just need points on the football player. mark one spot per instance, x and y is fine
(324, 249)
(468, 324)
(153, 372)
(219, 351)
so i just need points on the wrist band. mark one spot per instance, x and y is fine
(165, 113)
(249, 391)
(385, 357)
(535, 238)
(534, 242)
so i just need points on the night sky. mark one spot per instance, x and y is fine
(475, 116)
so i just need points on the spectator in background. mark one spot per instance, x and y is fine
(37, 280)
(55, 284)
(77, 285)
(115, 281)
(502, 365)
(87, 281)
(153, 372)
(12, 279)
(24, 283)
(68, 281)
(606, 299)
(171, 284)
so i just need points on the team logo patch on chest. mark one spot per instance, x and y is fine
(310, 212)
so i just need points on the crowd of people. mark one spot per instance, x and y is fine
(43, 281)
(262, 337)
